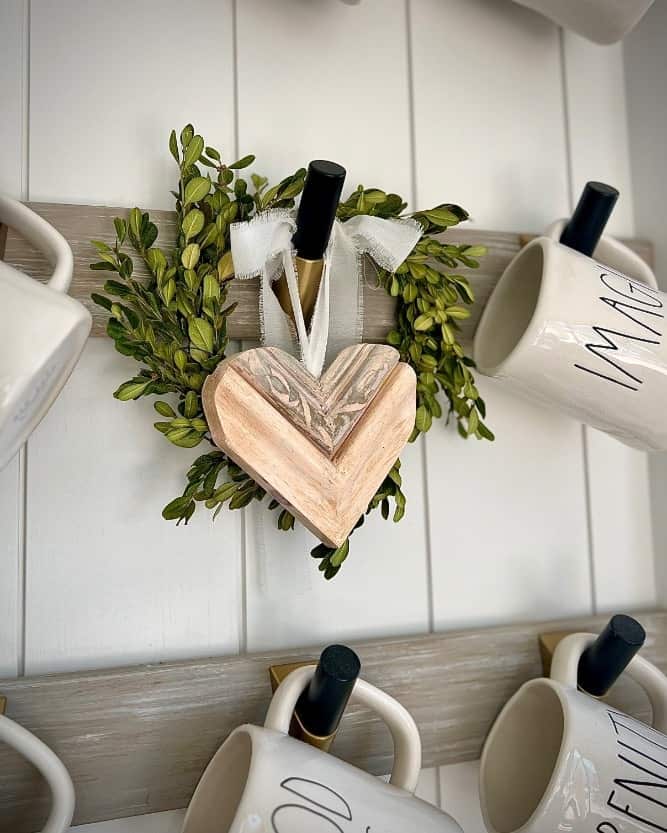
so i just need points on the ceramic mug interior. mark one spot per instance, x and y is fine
(510, 309)
(219, 793)
(520, 756)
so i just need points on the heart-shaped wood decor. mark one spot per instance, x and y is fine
(320, 447)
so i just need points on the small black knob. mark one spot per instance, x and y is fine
(584, 230)
(603, 662)
(321, 706)
(317, 209)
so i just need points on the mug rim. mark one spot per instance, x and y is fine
(247, 729)
(497, 370)
(559, 689)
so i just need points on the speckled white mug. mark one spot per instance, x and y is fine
(575, 334)
(263, 781)
(557, 759)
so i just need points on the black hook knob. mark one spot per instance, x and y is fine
(603, 662)
(584, 230)
(322, 704)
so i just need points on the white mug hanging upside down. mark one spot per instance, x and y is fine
(557, 759)
(263, 781)
(580, 336)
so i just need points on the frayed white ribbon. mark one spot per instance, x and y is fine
(263, 247)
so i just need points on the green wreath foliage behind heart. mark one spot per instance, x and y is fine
(174, 323)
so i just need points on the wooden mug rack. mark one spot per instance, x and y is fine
(136, 740)
(82, 223)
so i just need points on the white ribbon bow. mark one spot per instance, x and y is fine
(263, 247)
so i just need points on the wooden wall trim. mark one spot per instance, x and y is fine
(136, 740)
(81, 223)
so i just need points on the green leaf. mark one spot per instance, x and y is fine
(190, 256)
(173, 146)
(135, 219)
(164, 409)
(213, 153)
(201, 334)
(131, 390)
(422, 419)
(102, 301)
(121, 229)
(193, 151)
(242, 163)
(193, 223)
(197, 189)
(186, 135)
(423, 322)
(177, 508)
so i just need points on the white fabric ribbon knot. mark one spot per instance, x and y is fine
(263, 247)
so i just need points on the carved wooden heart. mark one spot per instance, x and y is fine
(321, 447)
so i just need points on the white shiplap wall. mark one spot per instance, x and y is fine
(476, 101)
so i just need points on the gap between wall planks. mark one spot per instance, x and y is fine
(136, 740)
(81, 223)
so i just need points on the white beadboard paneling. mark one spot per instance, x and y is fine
(13, 96)
(488, 112)
(325, 80)
(13, 181)
(646, 70)
(382, 588)
(597, 118)
(508, 518)
(108, 580)
(342, 93)
(618, 478)
(108, 81)
(459, 790)
(10, 569)
(621, 525)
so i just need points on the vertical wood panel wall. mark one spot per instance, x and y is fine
(473, 101)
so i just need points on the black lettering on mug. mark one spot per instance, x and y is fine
(327, 801)
(645, 302)
(323, 797)
(626, 810)
(288, 814)
(640, 789)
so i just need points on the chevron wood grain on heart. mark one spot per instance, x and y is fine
(324, 409)
(320, 447)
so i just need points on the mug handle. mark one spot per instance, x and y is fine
(51, 767)
(404, 732)
(624, 259)
(565, 663)
(44, 237)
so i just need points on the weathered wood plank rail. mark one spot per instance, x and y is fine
(81, 223)
(136, 740)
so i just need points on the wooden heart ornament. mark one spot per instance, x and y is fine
(321, 447)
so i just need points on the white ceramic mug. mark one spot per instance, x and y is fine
(602, 21)
(557, 759)
(263, 781)
(42, 330)
(578, 335)
(50, 766)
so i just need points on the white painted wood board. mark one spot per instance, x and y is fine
(108, 82)
(108, 580)
(354, 60)
(13, 181)
(489, 134)
(623, 562)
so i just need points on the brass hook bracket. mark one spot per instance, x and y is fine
(547, 643)
(3, 704)
(277, 673)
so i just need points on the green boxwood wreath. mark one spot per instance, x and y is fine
(175, 323)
